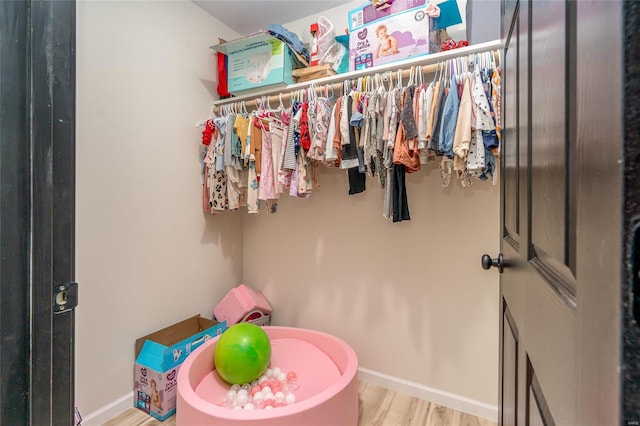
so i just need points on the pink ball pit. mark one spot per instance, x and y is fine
(326, 368)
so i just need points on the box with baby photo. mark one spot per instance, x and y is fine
(158, 359)
(378, 37)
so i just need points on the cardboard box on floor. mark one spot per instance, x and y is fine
(158, 359)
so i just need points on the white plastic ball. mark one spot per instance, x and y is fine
(266, 389)
(276, 371)
(236, 388)
(242, 400)
(290, 398)
(249, 407)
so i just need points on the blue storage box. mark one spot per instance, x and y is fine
(258, 61)
(158, 358)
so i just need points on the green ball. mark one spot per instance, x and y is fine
(242, 353)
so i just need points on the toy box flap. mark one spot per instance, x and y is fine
(258, 39)
(176, 333)
(151, 355)
(244, 43)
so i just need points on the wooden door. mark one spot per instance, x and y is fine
(562, 208)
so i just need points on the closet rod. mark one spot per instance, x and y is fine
(428, 63)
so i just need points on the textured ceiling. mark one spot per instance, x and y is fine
(248, 16)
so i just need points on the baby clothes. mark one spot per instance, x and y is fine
(449, 120)
(331, 153)
(241, 128)
(475, 158)
(462, 136)
(249, 159)
(434, 141)
(277, 140)
(320, 126)
(400, 203)
(267, 185)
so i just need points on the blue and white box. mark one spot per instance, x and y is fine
(158, 359)
(258, 61)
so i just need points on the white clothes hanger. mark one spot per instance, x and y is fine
(280, 105)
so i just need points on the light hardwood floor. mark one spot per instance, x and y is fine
(377, 407)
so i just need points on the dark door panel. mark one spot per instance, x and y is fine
(37, 180)
(14, 212)
(534, 195)
(569, 282)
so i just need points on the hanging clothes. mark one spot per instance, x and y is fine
(449, 120)
(266, 185)
(400, 204)
(462, 138)
(434, 142)
(370, 130)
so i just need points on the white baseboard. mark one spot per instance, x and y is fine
(109, 411)
(447, 399)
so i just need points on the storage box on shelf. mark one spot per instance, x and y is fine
(400, 31)
(312, 73)
(257, 61)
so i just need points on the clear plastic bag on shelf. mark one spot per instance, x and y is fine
(329, 50)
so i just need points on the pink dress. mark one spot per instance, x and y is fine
(267, 187)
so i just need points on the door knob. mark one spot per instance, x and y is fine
(488, 262)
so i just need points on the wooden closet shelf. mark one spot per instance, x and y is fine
(428, 64)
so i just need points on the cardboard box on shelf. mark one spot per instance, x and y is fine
(158, 359)
(312, 73)
(378, 37)
(258, 61)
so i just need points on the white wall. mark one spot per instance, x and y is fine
(409, 297)
(146, 254)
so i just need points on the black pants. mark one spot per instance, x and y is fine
(357, 181)
(400, 204)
